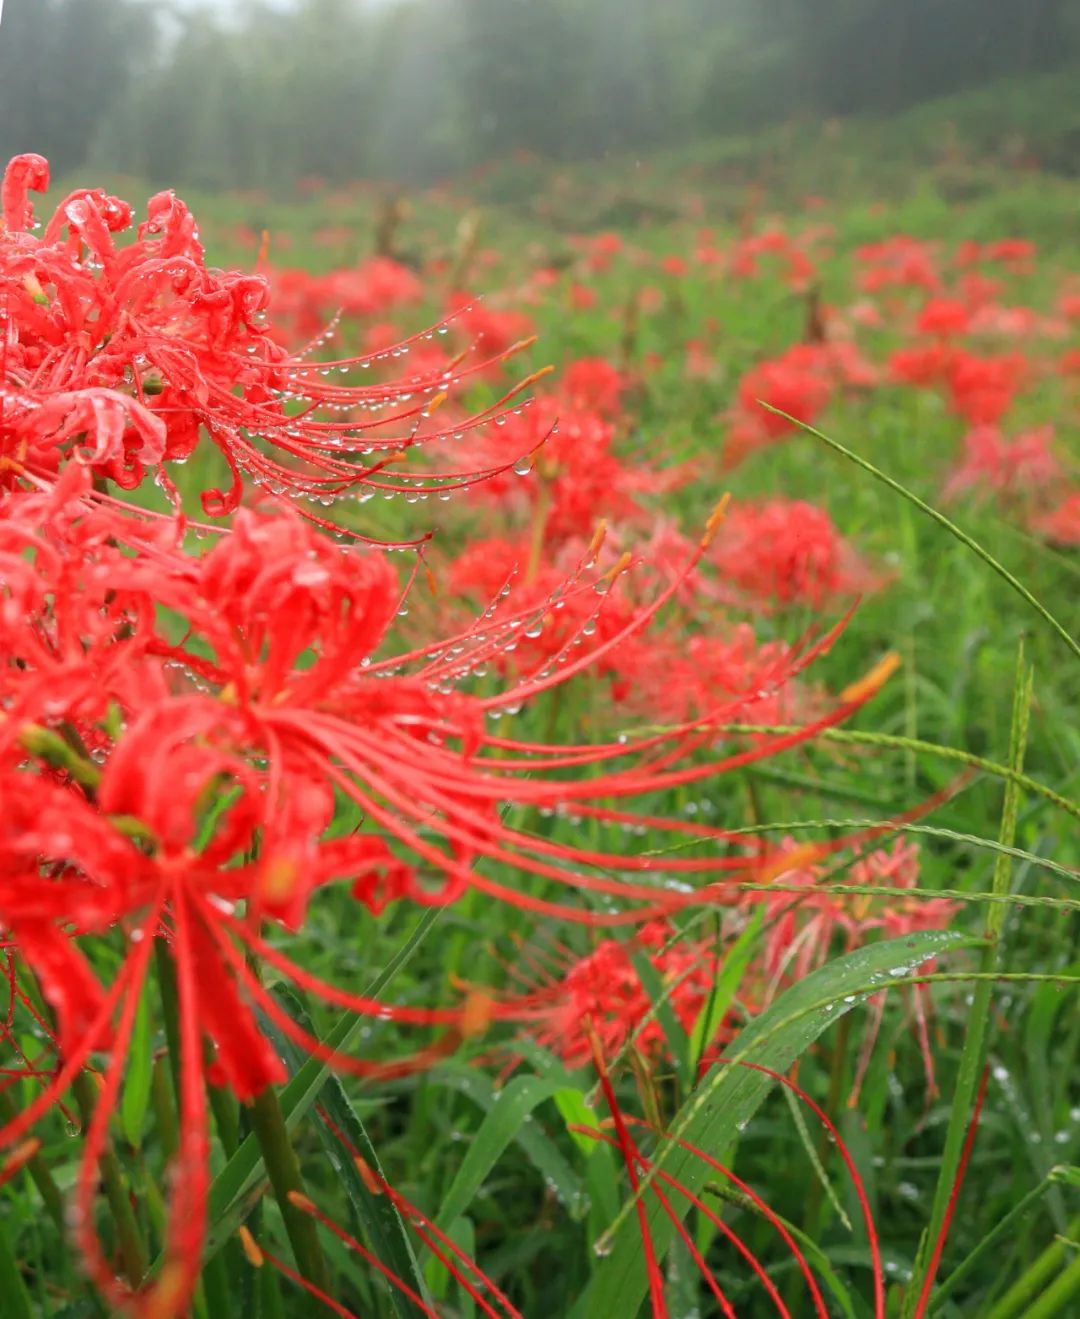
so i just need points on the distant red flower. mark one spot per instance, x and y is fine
(603, 993)
(1062, 524)
(982, 389)
(788, 552)
(995, 464)
(944, 317)
(593, 384)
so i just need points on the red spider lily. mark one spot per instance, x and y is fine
(536, 579)
(1005, 468)
(802, 928)
(577, 476)
(898, 262)
(795, 383)
(303, 304)
(923, 366)
(944, 317)
(1062, 524)
(605, 990)
(788, 551)
(982, 389)
(799, 383)
(671, 679)
(123, 356)
(592, 384)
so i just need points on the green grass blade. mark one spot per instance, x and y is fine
(729, 1096)
(385, 1232)
(507, 1112)
(15, 1302)
(236, 1187)
(943, 521)
(973, 1054)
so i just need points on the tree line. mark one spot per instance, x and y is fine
(258, 94)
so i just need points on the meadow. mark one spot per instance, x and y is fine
(813, 419)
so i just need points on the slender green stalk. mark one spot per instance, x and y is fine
(39, 1172)
(815, 1200)
(859, 737)
(1028, 1285)
(1001, 1228)
(1060, 1292)
(283, 1169)
(1030, 1282)
(14, 1297)
(973, 1055)
(161, 1097)
(950, 526)
(128, 1236)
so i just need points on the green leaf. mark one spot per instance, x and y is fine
(729, 1096)
(236, 1188)
(137, 1077)
(575, 1111)
(736, 960)
(385, 1232)
(509, 1110)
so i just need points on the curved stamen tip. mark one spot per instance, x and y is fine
(476, 1015)
(716, 517)
(797, 858)
(368, 1175)
(302, 1202)
(870, 683)
(20, 1155)
(167, 1297)
(254, 1254)
(625, 560)
(598, 537)
(436, 401)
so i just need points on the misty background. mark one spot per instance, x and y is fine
(254, 94)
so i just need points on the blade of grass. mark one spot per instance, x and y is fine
(386, 1233)
(16, 1299)
(943, 521)
(729, 1095)
(973, 1055)
(231, 1193)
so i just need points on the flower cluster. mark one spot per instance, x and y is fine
(181, 721)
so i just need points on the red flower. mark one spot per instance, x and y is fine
(1062, 524)
(996, 465)
(788, 551)
(126, 355)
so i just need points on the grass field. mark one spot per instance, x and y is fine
(659, 268)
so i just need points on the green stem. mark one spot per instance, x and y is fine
(283, 1169)
(128, 1237)
(973, 1054)
(1003, 1227)
(1058, 1294)
(39, 1172)
(1027, 1286)
(815, 1201)
(16, 1299)
(161, 1096)
(891, 741)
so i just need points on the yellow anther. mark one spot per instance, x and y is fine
(806, 854)
(367, 1175)
(255, 1257)
(870, 683)
(716, 517)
